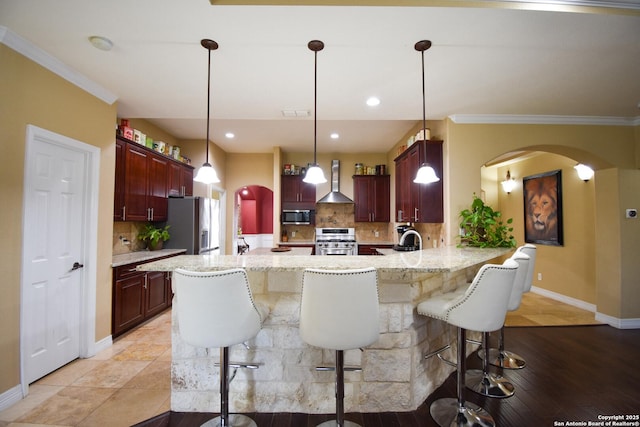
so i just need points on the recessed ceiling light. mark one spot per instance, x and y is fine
(101, 43)
(230, 135)
(335, 135)
(373, 101)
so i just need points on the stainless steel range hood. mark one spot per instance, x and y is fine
(335, 196)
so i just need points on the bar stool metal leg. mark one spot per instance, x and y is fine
(487, 383)
(225, 419)
(339, 421)
(456, 412)
(503, 358)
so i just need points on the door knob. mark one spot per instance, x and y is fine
(76, 265)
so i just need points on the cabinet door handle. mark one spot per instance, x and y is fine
(124, 213)
(146, 278)
(415, 213)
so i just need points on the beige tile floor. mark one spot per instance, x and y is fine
(121, 386)
(130, 382)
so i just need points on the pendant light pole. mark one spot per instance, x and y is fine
(207, 174)
(314, 173)
(426, 174)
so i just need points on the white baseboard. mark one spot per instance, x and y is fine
(102, 345)
(14, 395)
(600, 317)
(10, 397)
(618, 323)
(565, 299)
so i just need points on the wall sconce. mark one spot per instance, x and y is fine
(508, 184)
(584, 172)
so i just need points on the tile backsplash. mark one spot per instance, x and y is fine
(125, 237)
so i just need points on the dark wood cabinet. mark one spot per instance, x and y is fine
(419, 202)
(157, 193)
(371, 195)
(180, 180)
(138, 296)
(119, 190)
(144, 179)
(157, 293)
(136, 174)
(297, 194)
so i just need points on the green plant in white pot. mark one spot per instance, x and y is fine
(482, 227)
(154, 236)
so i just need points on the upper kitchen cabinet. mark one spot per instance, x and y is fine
(144, 179)
(118, 199)
(297, 194)
(419, 202)
(371, 195)
(180, 180)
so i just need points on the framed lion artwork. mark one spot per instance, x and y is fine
(543, 208)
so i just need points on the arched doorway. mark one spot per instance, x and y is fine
(253, 216)
(565, 272)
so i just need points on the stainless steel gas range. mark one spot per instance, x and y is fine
(336, 241)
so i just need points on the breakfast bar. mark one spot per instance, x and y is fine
(394, 375)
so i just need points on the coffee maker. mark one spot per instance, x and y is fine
(410, 241)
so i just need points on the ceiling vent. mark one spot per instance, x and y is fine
(296, 113)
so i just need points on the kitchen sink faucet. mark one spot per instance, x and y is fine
(406, 233)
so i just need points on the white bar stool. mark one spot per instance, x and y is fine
(499, 356)
(483, 308)
(485, 382)
(216, 309)
(339, 311)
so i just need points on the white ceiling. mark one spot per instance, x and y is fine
(484, 61)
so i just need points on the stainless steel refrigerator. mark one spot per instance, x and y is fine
(194, 225)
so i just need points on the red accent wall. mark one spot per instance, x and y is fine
(256, 210)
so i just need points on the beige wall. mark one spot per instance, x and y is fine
(569, 269)
(33, 95)
(617, 261)
(242, 170)
(611, 150)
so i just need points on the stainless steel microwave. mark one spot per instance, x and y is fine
(298, 217)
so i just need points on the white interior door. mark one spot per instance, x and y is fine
(55, 199)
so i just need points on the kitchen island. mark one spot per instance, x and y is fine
(394, 376)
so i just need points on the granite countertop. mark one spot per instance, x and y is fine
(432, 260)
(268, 252)
(140, 256)
(298, 243)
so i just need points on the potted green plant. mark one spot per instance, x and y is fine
(482, 227)
(154, 236)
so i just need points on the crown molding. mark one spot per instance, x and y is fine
(41, 57)
(508, 119)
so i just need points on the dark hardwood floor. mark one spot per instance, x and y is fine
(573, 373)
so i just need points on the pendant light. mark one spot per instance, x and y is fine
(426, 174)
(207, 174)
(314, 174)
